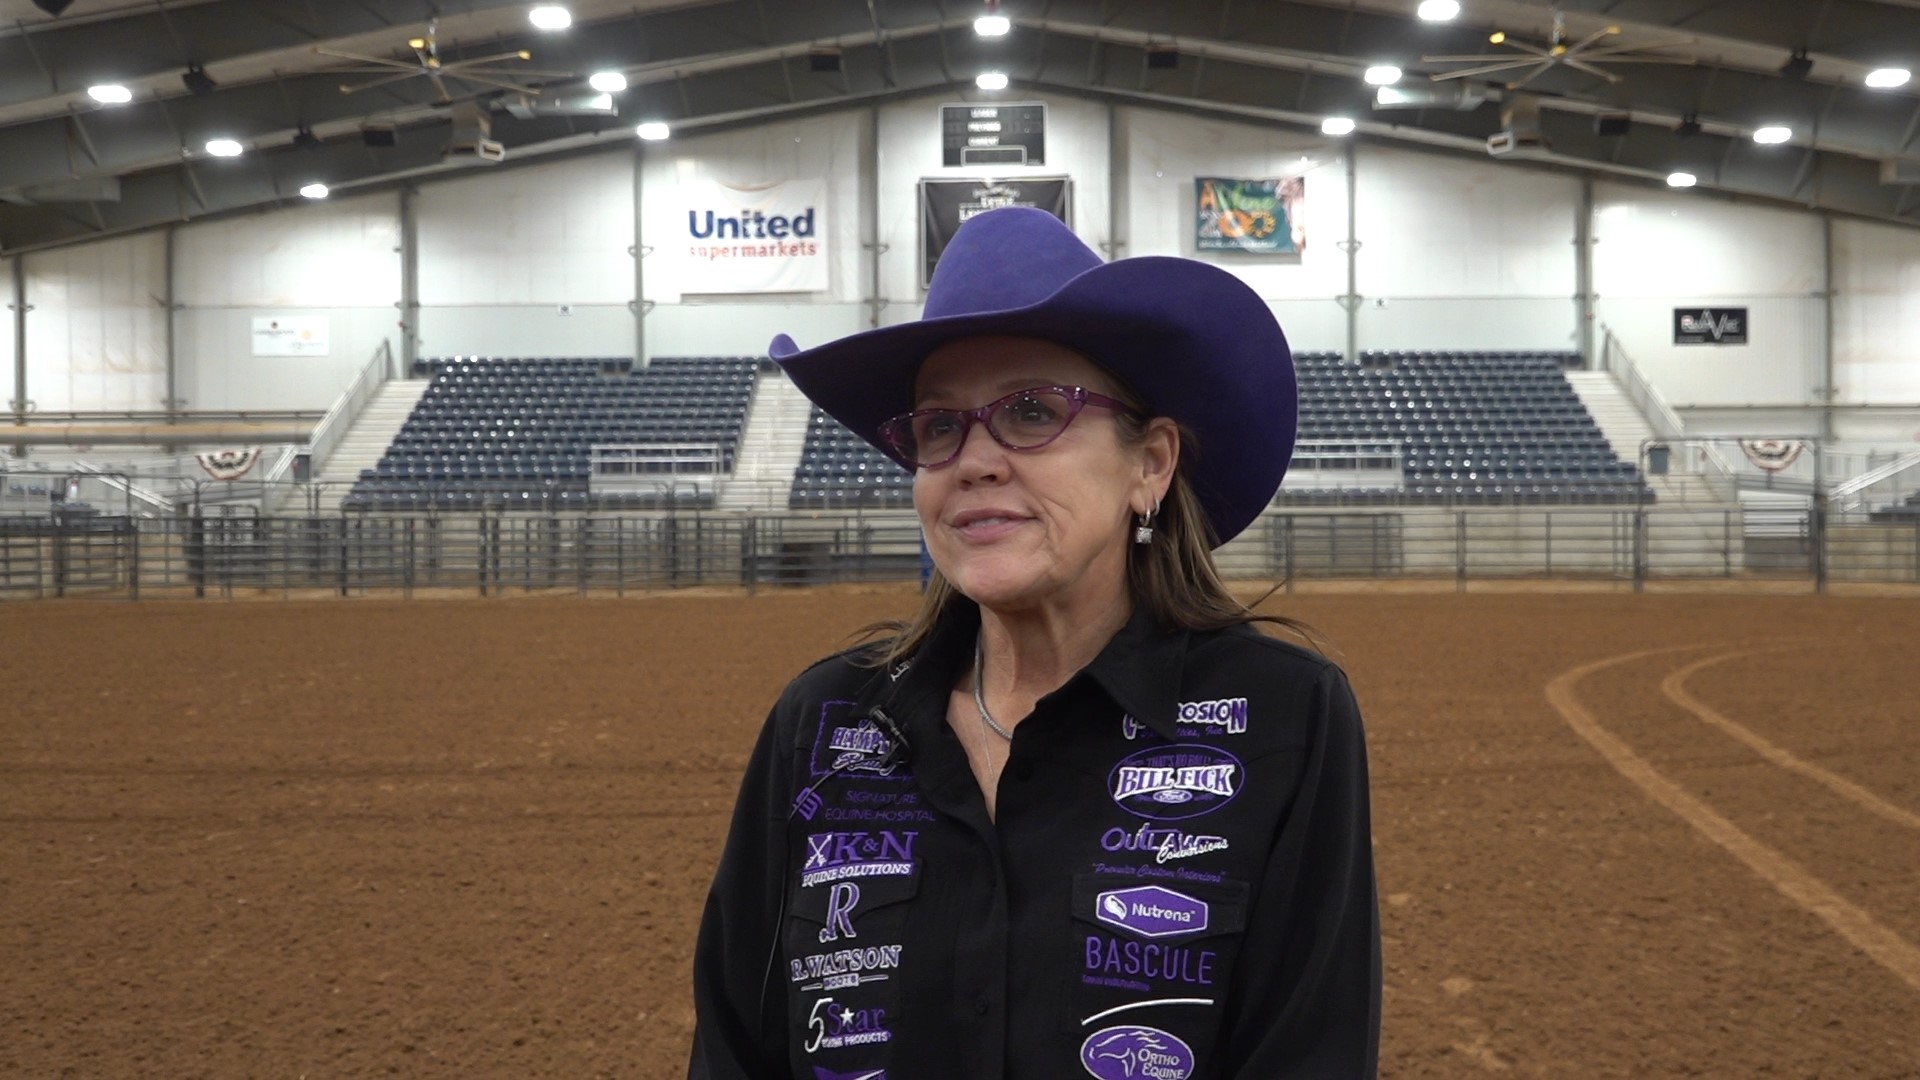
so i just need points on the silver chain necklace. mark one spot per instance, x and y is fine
(980, 699)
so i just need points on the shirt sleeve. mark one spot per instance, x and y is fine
(1307, 1000)
(739, 1008)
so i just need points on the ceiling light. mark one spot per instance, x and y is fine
(224, 148)
(1772, 134)
(1888, 78)
(550, 17)
(652, 131)
(315, 190)
(110, 94)
(1439, 10)
(1681, 179)
(991, 80)
(992, 25)
(1382, 75)
(608, 82)
(197, 81)
(1337, 125)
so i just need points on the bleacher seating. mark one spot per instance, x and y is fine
(1906, 511)
(837, 468)
(493, 432)
(1473, 427)
(1477, 427)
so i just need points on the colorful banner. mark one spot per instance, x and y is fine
(945, 204)
(1260, 217)
(759, 239)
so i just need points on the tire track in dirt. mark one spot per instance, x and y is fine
(1674, 687)
(1856, 925)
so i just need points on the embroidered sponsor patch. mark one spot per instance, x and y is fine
(1145, 965)
(1168, 783)
(851, 746)
(832, 1025)
(857, 1074)
(1166, 844)
(844, 967)
(1134, 1052)
(1151, 911)
(859, 853)
(1222, 716)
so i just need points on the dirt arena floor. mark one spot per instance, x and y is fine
(1618, 836)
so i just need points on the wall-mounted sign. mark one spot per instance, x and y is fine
(290, 335)
(1710, 326)
(944, 204)
(993, 135)
(1261, 217)
(756, 239)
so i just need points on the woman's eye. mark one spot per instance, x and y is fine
(1032, 410)
(937, 427)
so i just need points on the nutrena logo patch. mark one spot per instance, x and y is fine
(1133, 1052)
(1151, 911)
(1167, 783)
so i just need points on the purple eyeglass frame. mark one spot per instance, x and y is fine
(1078, 398)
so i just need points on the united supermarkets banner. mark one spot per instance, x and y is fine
(1260, 217)
(758, 239)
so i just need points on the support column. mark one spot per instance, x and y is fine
(1827, 389)
(639, 304)
(19, 403)
(170, 306)
(1583, 274)
(409, 281)
(876, 301)
(1351, 245)
(1119, 179)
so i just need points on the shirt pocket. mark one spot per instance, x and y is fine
(844, 949)
(1153, 953)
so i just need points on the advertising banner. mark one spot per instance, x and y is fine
(944, 204)
(1710, 326)
(758, 239)
(1258, 217)
(290, 335)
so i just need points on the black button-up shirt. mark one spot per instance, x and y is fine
(1177, 885)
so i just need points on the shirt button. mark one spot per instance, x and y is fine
(981, 1006)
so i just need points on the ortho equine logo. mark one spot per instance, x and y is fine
(1130, 1050)
(1151, 911)
(1167, 783)
(836, 856)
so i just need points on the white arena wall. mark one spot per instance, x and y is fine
(1452, 252)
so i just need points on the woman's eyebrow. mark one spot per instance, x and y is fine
(1025, 382)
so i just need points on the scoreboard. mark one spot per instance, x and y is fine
(993, 134)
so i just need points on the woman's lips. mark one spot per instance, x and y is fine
(986, 527)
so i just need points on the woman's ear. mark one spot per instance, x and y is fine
(1159, 457)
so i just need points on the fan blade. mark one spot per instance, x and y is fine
(379, 61)
(493, 59)
(1480, 59)
(1581, 65)
(1468, 73)
(456, 69)
(1533, 50)
(498, 83)
(1532, 75)
(1590, 39)
(387, 81)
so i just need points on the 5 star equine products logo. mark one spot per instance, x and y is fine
(1131, 1051)
(1168, 783)
(831, 1025)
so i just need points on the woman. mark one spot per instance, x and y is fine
(1078, 818)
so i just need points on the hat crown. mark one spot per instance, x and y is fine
(1004, 260)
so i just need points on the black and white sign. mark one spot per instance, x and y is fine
(993, 135)
(1710, 326)
(944, 204)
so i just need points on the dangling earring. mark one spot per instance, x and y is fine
(1143, 526)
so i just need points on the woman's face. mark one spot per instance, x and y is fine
(1015, 529)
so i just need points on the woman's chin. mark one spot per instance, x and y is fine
(997, 585)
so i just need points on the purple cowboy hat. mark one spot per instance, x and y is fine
(1193, 341)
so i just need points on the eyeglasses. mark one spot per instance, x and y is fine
(1023, 420)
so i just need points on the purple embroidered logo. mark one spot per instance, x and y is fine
(1130, 1050)
(831, 1026)
(1168, 783)
(1151, 911)
(837, 856)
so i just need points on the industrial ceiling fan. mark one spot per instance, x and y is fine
(1560, 51)
(496, 71)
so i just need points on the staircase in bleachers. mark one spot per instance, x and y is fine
(1494, 428)
(518, 433)
(837, 468)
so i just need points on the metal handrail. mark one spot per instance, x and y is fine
(118, 481)
(1667, 423)
(346, 408)
(1847, 496)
